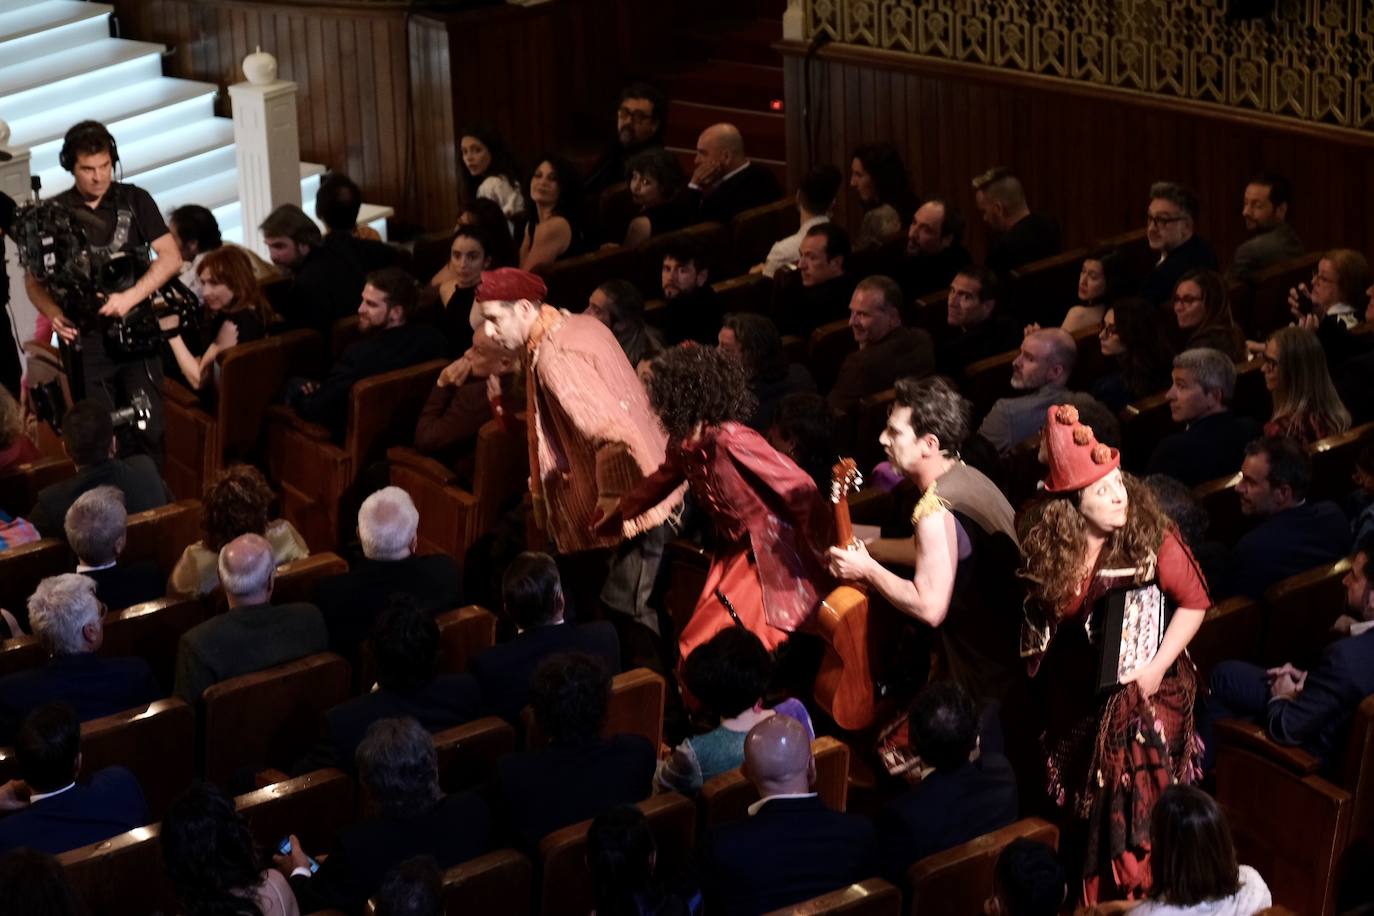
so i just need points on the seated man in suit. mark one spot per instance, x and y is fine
(579, 774)
(388, 523)
(968, 793)
(791, 847)
(1212, 442)
(253, 634)
(88, 439)
(1170, 228)
(68, 619)
(725, 181)
(324, 284)
(818, 292)
(887, 350)
(411, 816)
(532, 595)
(691, 310)
(389, 342)
(51, 812)
(977, 327)
(97, 529)
(1307, 709)
(405, 648)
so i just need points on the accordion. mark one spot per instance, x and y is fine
(1128, 625)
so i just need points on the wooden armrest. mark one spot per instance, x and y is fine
(178, 393)
(1254, 738)
(280, 413)
(423, 464)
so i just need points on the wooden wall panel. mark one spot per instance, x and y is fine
(1086, 156)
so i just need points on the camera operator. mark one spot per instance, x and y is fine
(121, 218)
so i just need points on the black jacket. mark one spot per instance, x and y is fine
(94, 685)
(1208, 448)
(921, 274)
(752, 187)
(955, 351)
(326, 287)
(1034, 236)
(122, 586)
(1287, 543)
(504, 670)
(352, 601)
(1192, 254)
(693, 315)
(799, 309)
(110, 804)
(137, 478)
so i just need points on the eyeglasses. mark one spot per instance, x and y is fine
(639, 117)
(1187, 300)
(1153, 220)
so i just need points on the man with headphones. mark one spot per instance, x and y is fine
(116, 217)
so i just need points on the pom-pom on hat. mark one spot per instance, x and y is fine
(1075, 457)
(509, 284)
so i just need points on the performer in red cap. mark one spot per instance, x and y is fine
(592, 436)
(1104, 567)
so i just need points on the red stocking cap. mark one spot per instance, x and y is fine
(1075, 456)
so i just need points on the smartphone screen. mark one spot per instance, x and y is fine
(284, 848)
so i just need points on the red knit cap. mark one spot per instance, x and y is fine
(1075, 457)
(508, 284)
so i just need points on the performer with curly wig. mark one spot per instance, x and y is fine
(1110, 753)
(768, 573)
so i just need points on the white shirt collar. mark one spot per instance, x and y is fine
(754, 808)
(732, 173)
(83, 568)
(34, 799)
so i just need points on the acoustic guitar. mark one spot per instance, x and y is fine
(844, 685)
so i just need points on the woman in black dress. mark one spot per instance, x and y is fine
(236, 311)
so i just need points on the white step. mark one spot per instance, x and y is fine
(45, 28)
(159, 162)
(103, 66)
(131, 114)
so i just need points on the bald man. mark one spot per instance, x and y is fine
(253, 634)
(791, 847)
(1041, 371)
(725, 183)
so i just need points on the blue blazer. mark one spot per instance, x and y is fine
(95, 686)
(109, 805)
(1318, 718)
(504, 670)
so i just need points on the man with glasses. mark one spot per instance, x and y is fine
(640, 119)
(1169, 227)
(1272, 239)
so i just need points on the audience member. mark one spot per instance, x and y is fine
(235, 503)
(413, 888)
(820, 290)
(1177, 501)
(405, 650)
(88, 439)
(1132, 339)
(1293, 534)
(815, 199)
(791, 847)
(237, 312)
(486, 216)
(388, 528)
(1309, 709)
(1027, 881)
(1202, 315)
(659, 188)
(579, 774)
(620, 307)
(196, 232)
(1306, 405)
(556, 222)
(725, 180)
(804, 430)
(887, 350)
(692, 311)
(324, 284)
(68, 621)
(640, 120)
(979, 329)
(213, 862)
(878, 176)
(410, 815)
(253, 634)
(49, 810)
(1272, 238)
(969, 792)
(457, 311)
(1332, 306)
(15, 445)
(729, 675)
(1100, 282)
(532, 599)
(1020, 236)
(489, 172)
(754, 340)
(33, 882)
(935, 249)
(1042, 371)
(1213, 439)
(1170, 227)
(338, 202)
(1193, 866)
(626, 878)
(96, 528)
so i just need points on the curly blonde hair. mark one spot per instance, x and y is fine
(1054, 540)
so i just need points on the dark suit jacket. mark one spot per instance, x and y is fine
(1208, 448)
(925, 273)
(377, 352)
(878, 366)
(367, 254)
(351, 601)
(1355, 383)
(1265, 250)
(504, 670)
(946, 809)
(791, 850)
(544, 790)
(1287, 543)
(94, 686)
(109, 805)
(1318, 718)
(456, 829)
(799, 309)
(326, 287)
(137, 478)
(961, 347)
(1034, 237)
(124, 586)
(753, 187)
(1159, 285)
(694, 316)
(244, 640)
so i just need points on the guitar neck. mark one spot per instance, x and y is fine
(844, 528)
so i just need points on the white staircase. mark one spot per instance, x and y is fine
(59, 65)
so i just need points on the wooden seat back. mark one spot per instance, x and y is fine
(1302, 609)
(1251, 397)
(747, 293)
(1134, 246)
(463, 634)
(1269, 302)
(1143, 424)
(635, 708)
(958, 880)
(571, 281)
(1333, 462)
(1357, 773)
(1225, 522)
(20, 653)
(498, 882)
(987, 380)
(727, 796)
(1231, 629)
(151, 631)
(252, 376)
(156, 742)
(23, 567)
(870, 419)
(754, 232)
(382, 410)
(930, 312)
(1089, 365)
(158, 536)
(343, 334)
(830, 344)
(20, 485)
(567, 888)
(314, 806)
(271, 717)
(874, 897)
(1043, 290)
(189, 441)
(121, 876)
(296, 580)
(468, 752)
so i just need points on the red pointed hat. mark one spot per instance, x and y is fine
(509, 284)
(1075, 457)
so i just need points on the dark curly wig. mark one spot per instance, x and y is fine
(694, 384)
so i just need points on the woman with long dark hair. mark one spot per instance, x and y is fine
(1132, 340)
(658, 186)
(878, 175)
(1100, 281)
(623, 860)
(554, 205)
(1202, 311)
(489, 171)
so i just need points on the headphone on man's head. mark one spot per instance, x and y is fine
(86, 134)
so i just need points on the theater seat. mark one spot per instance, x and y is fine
(1269, 302)
(21, 653)
(1226, 523)
(23, 567)
(498, 882)
(874, 897)
(1231, 629)
(748, 293)
(315, 807)
(830, 344)
(636, 708)
(1143, 424)
(1302, 609)
(987, 380)
(121, 876)
(296, 580)
(19, 485)
(727, 797)
(159, 536)
(156, 742)
(463, 634)
(687, 567)
(151, 631)
(468, 752)
(957, 881)
(1333, 462)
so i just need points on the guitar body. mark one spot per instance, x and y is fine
(844, 685)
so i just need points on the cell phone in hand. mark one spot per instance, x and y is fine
(1304, 301)
(284, 849)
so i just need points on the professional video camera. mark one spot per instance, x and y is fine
(53, 247)
(50, 406)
